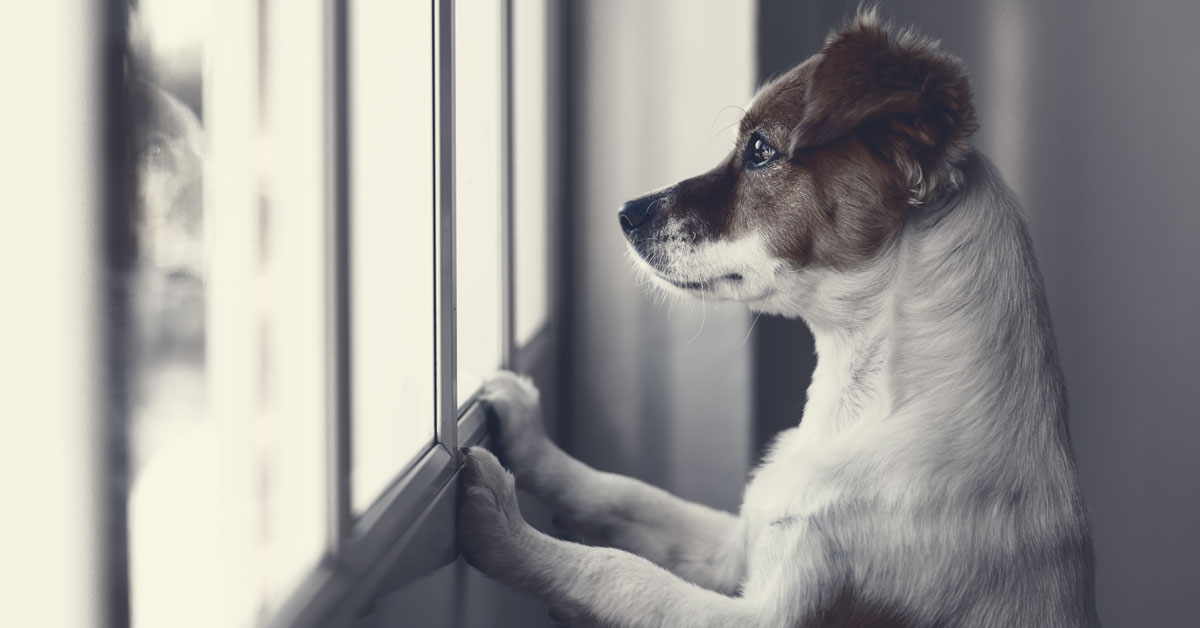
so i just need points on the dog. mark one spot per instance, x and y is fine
(930, 482)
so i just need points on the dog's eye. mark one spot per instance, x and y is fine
(758, 152)
(155, 152)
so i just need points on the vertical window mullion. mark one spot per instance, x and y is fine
(337, 73)
(508, 289)
(447, 426)
(56, 443)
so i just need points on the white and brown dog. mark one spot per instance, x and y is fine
(931, 481)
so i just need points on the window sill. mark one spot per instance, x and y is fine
(414, 518)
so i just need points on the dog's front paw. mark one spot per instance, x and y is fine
(517, 431)
(491, 530)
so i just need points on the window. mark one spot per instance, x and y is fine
(173, 437)
(227, 284)
(501, 160)
(479, 160)
(339, 224)
(530, 83)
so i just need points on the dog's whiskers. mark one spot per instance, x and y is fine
(754, 322)
(703, 318)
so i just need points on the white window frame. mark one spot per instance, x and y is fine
(64, 556)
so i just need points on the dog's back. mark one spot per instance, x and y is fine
(933, 475)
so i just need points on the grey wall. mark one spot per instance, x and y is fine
(1089, 109)
(660, 389)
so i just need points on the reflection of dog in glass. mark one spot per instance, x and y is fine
(167, 144)
(931, 481)
(166, 281)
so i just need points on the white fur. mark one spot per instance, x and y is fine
(685, 261)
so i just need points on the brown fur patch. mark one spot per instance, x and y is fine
(849, 610)
(901, 93)
(875, 123)
(863, 130)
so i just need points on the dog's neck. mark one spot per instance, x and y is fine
(852, 320)
(949, 323)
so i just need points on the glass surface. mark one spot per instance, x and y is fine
(479, 151)
(392, 241)
(174, 452)
(531, 244)
(292, 424)
(226, 293)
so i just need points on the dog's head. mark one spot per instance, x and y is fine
(167, 180)
(828, 160)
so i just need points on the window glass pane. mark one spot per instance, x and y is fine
(478, 190)
(292, 250)
(174, 451)
(531, 247)
(392, 240)
(227, 301)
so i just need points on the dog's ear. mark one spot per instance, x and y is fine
(902, 94)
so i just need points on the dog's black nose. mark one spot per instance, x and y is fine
(637, 212)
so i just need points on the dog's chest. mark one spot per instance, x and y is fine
(796, 482)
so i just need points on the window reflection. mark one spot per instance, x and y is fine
(229, 329)
(173, 446)
(226, 291)
(167, 277)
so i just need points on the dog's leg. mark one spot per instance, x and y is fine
(701, 545)
(582, 585)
